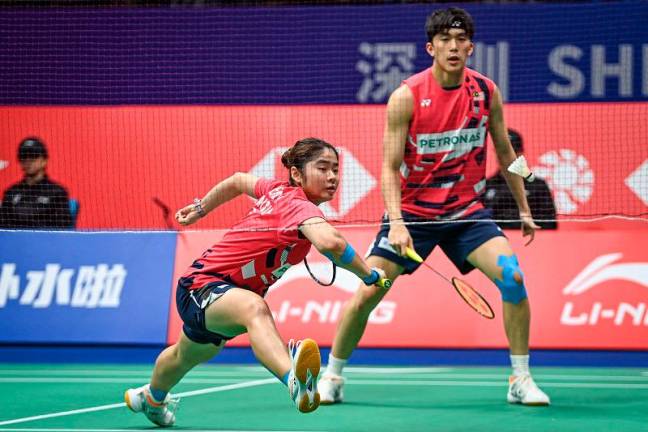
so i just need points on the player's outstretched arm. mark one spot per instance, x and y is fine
(330, 243)
(233, 186)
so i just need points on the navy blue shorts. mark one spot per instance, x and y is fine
(456, 239)
(191, 306)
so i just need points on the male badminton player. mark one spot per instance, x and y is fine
(434, 170)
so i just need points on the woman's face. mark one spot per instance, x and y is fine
(319, 179)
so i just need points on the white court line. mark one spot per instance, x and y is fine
(504, 376)
(213, 377)
(134, 430)
(125, 380)
(195, 380)
(145, 373)
(493, 384)
(118, 405)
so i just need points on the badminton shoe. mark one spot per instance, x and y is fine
(331, 388)
(523, 390)
(302, 380)
(160, 413)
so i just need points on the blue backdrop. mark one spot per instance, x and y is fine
(285, 55)
(85, 287)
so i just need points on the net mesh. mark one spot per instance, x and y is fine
(143, 109)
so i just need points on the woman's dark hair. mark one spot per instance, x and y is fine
(443, 20)
(304, 151)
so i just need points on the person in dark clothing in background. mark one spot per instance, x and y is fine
(36, 202)
(499, 199)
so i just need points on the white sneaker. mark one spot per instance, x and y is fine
(140, 400)
(523, 390)
(331, 388)
(302, 381)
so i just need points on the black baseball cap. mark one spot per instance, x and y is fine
(31, 148)
(516, 141)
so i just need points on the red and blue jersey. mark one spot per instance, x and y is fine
(263, 245)
(443, 173)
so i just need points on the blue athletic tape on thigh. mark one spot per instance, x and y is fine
(512, 291)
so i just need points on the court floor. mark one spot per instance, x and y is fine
(68, 398)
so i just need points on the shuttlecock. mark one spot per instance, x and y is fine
(519, 166)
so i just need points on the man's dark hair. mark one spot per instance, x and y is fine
(444, 20)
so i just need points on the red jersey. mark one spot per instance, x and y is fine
(263, 245)
(444, 164)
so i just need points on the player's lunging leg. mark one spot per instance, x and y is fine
(154, 399)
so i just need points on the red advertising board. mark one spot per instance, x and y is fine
(588, 289)
(116, 160)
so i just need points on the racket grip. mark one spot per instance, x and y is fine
(411, 254)
(384, 283)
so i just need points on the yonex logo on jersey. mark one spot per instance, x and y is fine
(451, 140)
(426, 103)
(97, 286)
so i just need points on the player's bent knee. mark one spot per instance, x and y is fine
(511, 285)
(258, 308)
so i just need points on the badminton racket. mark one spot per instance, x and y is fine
(463, 288)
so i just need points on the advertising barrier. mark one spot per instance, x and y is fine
(66, 287)
(592, 155)
(588, 290)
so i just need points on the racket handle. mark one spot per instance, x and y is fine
(411, 254)
(384, 283)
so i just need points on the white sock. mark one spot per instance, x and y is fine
(520, 364)
(335, 365)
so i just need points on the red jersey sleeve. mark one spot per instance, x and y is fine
(264, 185)
(296, 212)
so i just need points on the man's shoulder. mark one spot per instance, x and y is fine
(54, 186)
(418, 78)
(477, 75)
(14, 188)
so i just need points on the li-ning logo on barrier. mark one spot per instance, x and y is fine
(97, 286)
(327, 311)
(602, 270)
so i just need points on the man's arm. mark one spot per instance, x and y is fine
(222, 192)
(506, 155)
(399, 114)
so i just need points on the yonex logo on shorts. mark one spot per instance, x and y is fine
(98, 286)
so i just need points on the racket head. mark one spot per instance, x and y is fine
(473, 298)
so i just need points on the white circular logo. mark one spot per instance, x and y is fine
(569, 176)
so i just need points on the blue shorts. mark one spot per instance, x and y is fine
(456, 239)
(191, 306)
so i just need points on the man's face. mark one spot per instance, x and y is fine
(33, 166)
(450, 49)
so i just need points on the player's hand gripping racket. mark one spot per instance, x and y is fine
(467, 293)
